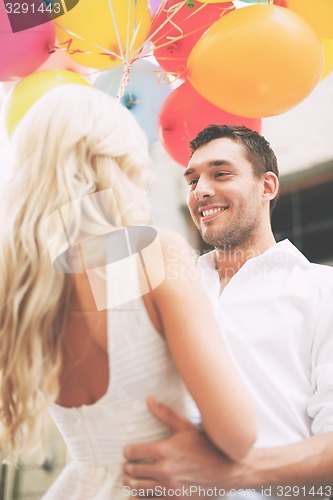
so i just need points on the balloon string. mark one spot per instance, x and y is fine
(169, 76)
(171, 12)
(68, 42)
(158, 10)
(131, 55)
(124, 80)
(192, 11)
(128, 27)
(116, 30)
(224, 10)
(51, 49)
(174, 9)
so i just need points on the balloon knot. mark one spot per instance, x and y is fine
(129, 101)
(124, 80)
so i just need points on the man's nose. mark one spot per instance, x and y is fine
(203, 188)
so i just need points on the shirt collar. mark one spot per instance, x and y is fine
(284, 247)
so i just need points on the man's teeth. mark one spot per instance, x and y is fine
(212, 211)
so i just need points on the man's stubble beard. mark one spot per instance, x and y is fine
(241, 233)
(231, 238)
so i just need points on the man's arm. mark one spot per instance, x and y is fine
(189, 459)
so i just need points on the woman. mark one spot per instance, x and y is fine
(94, 301)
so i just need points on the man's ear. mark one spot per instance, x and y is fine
(270, 186)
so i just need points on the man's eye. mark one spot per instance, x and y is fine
(220, 174)
(192, 182)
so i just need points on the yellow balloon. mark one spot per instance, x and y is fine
(30, 89)
(328, 51)
(319, 13)
(104, 33)
(258, 61)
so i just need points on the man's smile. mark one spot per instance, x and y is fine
(211, 212)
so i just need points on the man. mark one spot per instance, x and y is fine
(276, 316)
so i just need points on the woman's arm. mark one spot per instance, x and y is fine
(196, 345)
(189, 459)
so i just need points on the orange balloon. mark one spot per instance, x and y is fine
(257, 61)
(319, 13)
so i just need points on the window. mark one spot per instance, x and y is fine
(304, 214)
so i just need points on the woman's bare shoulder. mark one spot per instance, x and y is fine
(174, 245)
(178, 258)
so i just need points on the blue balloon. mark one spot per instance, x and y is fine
(144, 94)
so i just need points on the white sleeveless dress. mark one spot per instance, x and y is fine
(139, 365)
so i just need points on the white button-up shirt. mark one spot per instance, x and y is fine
(276, 317)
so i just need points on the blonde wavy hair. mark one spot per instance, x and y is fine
(73, 142)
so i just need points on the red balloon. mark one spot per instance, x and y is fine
(177, 28)
(185, 113)
(23, 48)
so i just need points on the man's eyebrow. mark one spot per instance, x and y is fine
(212, 163)
(188, 171)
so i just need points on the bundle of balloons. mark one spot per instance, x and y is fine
(178, 66)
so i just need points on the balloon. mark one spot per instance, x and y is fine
(176, 29)
(154, 5)
(59, 59)
(185, 113)
(257, 61)
(23, 50)
(143, 96)
(104, 35)
(328, 51)
(30, 89)
(215, 1)
(319, 13)
(281, 3)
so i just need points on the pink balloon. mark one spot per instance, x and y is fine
(185, 113)
(22, 51)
